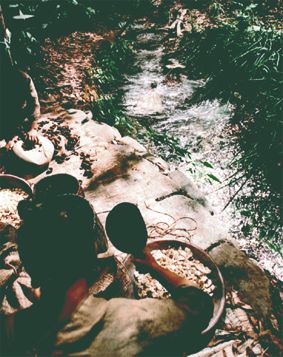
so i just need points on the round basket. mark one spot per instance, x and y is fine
(40, 155)
(58, 184)
(11, 181)
(215, 276)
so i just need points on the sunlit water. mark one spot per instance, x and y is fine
(202, 129)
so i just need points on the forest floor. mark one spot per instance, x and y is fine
(61, 76)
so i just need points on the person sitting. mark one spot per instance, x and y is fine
(56, 246)
(19, 106)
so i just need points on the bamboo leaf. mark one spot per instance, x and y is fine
(214, 178)
(207, 164)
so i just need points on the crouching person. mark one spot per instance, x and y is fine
(56, 247)
(19, 106)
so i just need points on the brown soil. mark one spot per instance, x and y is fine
(61, 77)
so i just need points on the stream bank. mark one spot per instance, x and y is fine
(114, 168)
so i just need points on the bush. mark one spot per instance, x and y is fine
(31, 21)
(242, 63)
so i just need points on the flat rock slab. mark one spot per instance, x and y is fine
(108, 153)
(162, 201)
(122, 170)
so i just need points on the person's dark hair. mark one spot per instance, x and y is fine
(56, 240)
(126, 228)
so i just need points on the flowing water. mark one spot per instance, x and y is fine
(161, 101)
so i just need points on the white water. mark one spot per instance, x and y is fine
(202, 129)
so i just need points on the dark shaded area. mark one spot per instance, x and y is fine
(126, 228)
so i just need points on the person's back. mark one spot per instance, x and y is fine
(124, 327)
(19, 104)
(115, 327)
(69, 321)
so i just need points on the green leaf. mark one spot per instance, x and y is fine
(246, 213)
(214, 178)
(207, 164)
(246, 229)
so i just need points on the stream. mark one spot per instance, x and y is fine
(160, 101)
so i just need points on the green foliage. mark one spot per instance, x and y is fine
(196, 4)
(215, 9)
(133, 8)
(242, 63)
(169, 146)
(261, 7)
(51, 18)
(111, 61)
(31, 21)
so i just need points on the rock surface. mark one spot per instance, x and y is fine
(114, 169)
(243, 275)
(120, 169)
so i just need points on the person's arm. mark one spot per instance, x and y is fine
(32, 133)
(33, 106)
(167, 278)
(160, 326)
(186, 293)
(32, 110)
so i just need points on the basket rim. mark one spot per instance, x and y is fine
(215, 318)
(27, 187)
(38, 186)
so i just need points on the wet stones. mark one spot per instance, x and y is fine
(243, 275)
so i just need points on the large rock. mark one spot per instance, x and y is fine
(164, 203)
(107, 151)
(172, 206)
(122, 170)
(244, 276)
